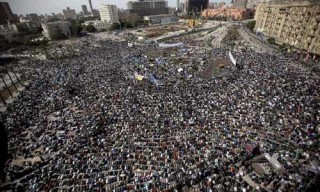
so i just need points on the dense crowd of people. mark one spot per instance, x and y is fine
(95, 126)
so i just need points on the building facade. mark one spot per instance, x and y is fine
(91, 9)
(148, 7)
(161, 19)
(8, 31)
(5, 13)
(253, 3)
(85, 10)
(48, 28)
(109, 13)
(234, 13)
(69, 13)
(196, 5)
(293, 22)
(99, 25)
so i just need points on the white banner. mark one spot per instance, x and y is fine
(232, 58)
(164, 45)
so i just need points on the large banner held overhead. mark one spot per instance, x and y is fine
(232, 58)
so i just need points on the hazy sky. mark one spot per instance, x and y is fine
(56, 6)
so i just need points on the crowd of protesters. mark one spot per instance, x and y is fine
(95, 126)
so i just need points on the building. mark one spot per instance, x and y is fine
(99, 25)
(182, 6)
(240, 4)
(253, 3)
(221, 5)
(178, 5)
(85, 10)
(8, 31)
(50, 27)
(109, 13)
(161, 19)
(69, 13)
(196, 5)
(233, 13)
(91, 9)
(95, 13)
(148, 7)
(293, 22)
(5, 13)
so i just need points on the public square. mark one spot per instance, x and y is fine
(150, 118)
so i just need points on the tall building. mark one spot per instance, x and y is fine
(148, 7)
(91, 9)
(84, 10)
(69, 13)
(109, 13)
(293, 22)
(196, 5)
(5, 13)
(181, 7)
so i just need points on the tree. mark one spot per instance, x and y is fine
(128, 25)
(90, 28)
(271, 40)
(57, 34)
(76, 29)
(251, 25)
(115, 26)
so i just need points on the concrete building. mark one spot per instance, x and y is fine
(85, 10)
(233, 13)
(91, 9)
(161, 19)
(196, 5)
(5, 13)
(253, 3)
(99, 25)
(48, 28)
(95, 13)
(69, 13)
(148, 7)
(7, 31)
(178, 5)
(109, 13)
(293, 22)
(182, 6)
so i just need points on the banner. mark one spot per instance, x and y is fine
(164, 45)
(232, 58)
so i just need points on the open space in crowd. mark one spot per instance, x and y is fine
(145, 118)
